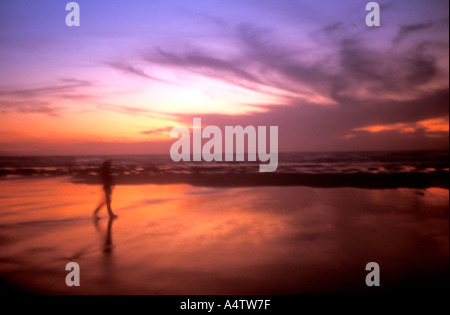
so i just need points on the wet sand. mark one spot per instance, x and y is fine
(184, 239)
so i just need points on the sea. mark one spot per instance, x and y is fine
(375, 162)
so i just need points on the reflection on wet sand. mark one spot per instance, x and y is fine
(179, 239)
(106, 264)
(107, 243)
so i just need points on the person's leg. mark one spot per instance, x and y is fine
(108, 203)
(98, 209)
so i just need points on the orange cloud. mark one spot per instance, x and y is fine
(428, 125)
(434, 125)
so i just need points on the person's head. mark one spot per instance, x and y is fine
(106, 164)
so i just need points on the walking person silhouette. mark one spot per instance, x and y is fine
(107, 181)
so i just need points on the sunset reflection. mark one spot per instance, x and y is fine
(180, 239)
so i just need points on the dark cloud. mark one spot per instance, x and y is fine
(359, 67)
(381, 73)
(308, 127)
(422, 66)
(129, 110)
(365, 86)
(202, 62)
(128, 69)
(28, 107)
(38, 99)
(68, 85)
(332, 28)
(406, 30)
(77, 82)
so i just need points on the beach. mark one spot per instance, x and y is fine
(250, 149)
(180, 238)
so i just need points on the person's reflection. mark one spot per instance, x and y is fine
(107, 244)
(107, 181)
(107, 281)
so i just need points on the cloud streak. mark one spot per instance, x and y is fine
(408, 29)
(41, 99)
(133, 71)
(156, 131)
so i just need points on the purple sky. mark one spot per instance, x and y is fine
(135, 69)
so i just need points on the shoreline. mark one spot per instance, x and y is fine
(438, 179)
(355, 180)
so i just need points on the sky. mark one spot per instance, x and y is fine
(132, 70)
